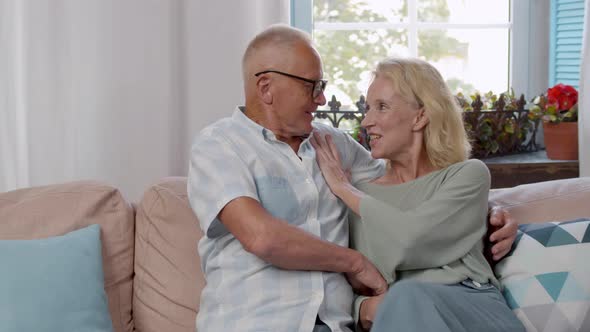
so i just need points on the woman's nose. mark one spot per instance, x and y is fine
(367, 121)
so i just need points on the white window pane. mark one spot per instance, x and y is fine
(359, 11)
(350, 56)
(476, 59)
(464, 11)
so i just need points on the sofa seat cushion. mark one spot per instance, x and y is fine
(168, 278)
(546, 277)
(54, 284)
(54, 210)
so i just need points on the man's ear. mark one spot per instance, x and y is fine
(263, 89)
(421, 120)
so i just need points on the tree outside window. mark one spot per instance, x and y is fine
(467, 40)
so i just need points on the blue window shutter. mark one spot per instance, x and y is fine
(565, 43)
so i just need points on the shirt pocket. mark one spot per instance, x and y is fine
(278, 197)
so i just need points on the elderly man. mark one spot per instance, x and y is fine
(275, 251)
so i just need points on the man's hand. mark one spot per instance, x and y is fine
(368, 311)
(366, 279)
(503, 229)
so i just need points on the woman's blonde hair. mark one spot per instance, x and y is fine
(419, 82)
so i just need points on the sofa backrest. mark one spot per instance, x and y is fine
(55, 210)
(168, 278)
(559, 200)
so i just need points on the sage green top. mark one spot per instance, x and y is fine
(430, 229)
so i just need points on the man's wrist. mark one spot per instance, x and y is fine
(357, 262)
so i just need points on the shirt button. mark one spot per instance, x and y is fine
(477, 284)
(308, 181)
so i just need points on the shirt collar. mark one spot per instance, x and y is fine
(240, 117)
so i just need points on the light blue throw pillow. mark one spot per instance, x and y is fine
(546, 277)
(54, 284)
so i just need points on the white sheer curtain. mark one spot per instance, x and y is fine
(114, 90)
(13, 161)
(584, 100)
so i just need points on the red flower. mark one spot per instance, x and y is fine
(562, 96)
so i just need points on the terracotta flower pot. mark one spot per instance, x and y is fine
(561, 140)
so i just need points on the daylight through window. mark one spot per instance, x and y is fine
(467, 41)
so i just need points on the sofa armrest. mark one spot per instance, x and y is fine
(168, 278)
(557, 200)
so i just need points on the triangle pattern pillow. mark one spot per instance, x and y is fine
(546, 276)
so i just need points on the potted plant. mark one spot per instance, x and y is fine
(559, 111)
(497, 125)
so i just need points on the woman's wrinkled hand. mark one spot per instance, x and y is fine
(328, 160)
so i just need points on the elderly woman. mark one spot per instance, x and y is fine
(421, 223)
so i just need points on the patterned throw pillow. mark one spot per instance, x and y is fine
(546, 276)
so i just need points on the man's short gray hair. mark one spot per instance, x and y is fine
(275, 36)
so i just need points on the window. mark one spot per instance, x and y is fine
(471, 42)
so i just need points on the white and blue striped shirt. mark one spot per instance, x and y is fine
(236, 157)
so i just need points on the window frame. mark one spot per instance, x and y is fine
(527, 74)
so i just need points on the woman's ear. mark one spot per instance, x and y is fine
(421, 120)
(263, 89)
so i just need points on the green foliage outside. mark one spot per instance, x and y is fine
(347, 54)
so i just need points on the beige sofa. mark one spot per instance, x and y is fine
(151, 265)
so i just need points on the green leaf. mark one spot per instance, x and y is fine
(494, 146)
(486, 130)
(509, 127)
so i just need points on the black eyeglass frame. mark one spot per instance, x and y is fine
(315, 92)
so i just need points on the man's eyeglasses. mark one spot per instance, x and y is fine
(318, 86)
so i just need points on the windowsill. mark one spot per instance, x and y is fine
(525, 158)
(523, 168)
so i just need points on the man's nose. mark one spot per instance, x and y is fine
(321, 99)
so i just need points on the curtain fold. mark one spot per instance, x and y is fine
(115, 90)
(13, 110)
(584, 98)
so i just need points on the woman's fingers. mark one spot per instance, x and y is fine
(314, 142)
(319, 148)
(332, 148)
(323, 149)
